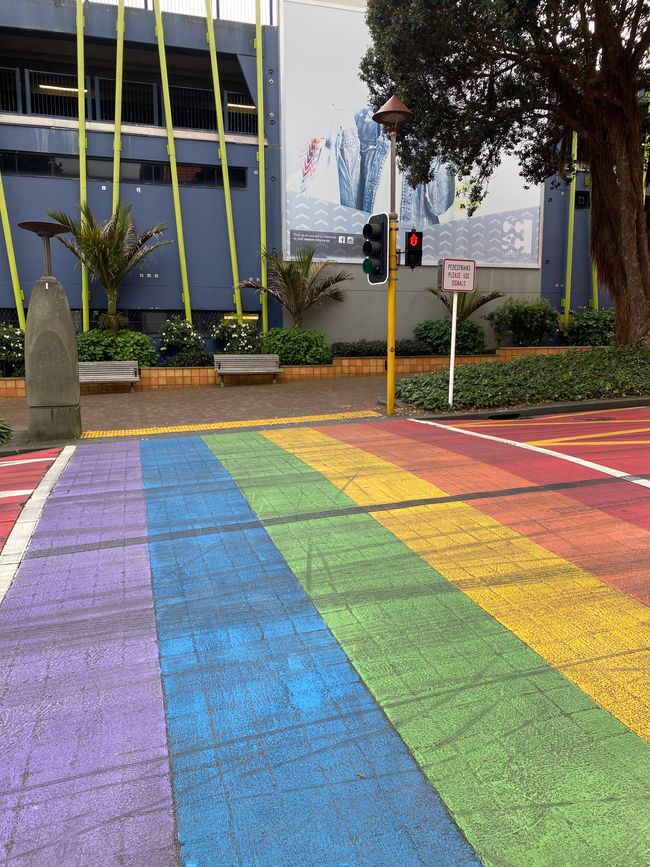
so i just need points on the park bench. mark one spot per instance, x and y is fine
(242, 365)
(109, 371)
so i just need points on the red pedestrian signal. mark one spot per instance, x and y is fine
(413, 256)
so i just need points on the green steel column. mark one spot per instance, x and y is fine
(259, 50)
(11, 257)
(119, 74)
(171, 150)
(570, 232)
(83, 185)
(223, 156)
(594, 286)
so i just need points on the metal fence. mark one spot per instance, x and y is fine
(227, 10)
(53, 94)
(240, 113)
(9, 89)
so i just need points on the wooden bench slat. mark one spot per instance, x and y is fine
(242, 365)
(109, 371)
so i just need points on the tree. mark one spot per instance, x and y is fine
(484, 77)
(302, 283)
(109, 251)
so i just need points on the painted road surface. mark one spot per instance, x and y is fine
(19, 477)
(376, 643)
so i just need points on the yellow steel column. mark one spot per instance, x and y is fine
(171, 150)
(119, 74)
(392, 297)
(594, 286)
(570, 233)
(261, 160)
(11, 257)
(83, 184)
(223, 156)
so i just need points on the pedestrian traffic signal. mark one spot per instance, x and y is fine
(413, 256)
(375, 248)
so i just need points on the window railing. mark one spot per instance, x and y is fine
(225, 10)
(240, 113)
(54, 94)
(10, 96)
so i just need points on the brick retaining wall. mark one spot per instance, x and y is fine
(191, 377)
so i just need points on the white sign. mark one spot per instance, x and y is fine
(458, 275)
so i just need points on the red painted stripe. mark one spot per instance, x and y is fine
(587, 537)
(21, 477)
(619, 499)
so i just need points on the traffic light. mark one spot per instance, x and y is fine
(413, 256)
(375, 248)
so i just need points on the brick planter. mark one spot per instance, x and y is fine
(192, 377)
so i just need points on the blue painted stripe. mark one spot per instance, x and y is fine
(279, 754)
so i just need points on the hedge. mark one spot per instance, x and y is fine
(574, 375)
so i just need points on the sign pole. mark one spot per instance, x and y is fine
(452, 353)
(392, 280)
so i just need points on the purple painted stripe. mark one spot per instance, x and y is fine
(84, 775)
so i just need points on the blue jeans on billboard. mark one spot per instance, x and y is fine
(361, 152)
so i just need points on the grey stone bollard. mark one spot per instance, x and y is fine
(51, 365)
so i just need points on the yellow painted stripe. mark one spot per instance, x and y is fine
(594, 436)
(594, 634)
(579, 442)
(228, 425)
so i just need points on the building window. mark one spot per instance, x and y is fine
(131, 171)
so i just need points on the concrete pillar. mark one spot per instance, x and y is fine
(51, 365)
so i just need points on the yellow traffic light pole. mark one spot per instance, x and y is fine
(392, 279)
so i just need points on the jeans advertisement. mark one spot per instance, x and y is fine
(337, 162)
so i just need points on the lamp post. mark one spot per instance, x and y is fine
(390, 115)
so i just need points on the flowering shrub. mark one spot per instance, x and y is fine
(237, 339)
(179, 334)
(12, 350)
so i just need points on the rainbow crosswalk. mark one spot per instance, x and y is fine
(361, 644)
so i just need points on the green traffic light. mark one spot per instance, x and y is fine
(367, 266)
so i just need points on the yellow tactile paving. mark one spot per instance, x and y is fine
(228, 425)
(594, 634)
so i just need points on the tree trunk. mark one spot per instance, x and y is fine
(619, 233)
(111, 308)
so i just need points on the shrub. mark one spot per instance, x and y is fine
(590, 328)
(436, 335)
(5, 432)
(295, 346)
(237, 339)
(133, 345)
(12, 351)
(574, 375)
(523, 322)
(190, 359)
(99, 345)
(377, 348)
(95, 345)
(179, 334)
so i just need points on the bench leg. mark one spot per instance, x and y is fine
(221, 382)
(132, 386)
(275, 379)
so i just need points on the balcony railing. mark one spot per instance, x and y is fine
(226, 10)
(53, 94)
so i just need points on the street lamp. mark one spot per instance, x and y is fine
(391, 115)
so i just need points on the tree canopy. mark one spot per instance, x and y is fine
(487, 77)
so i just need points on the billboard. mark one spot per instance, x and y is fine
(336, 160)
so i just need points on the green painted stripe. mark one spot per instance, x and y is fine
(532, 769)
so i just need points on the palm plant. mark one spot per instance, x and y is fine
(468, 302)
(109, 250)
(301, 283)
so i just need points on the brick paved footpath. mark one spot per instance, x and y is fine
(213, 404)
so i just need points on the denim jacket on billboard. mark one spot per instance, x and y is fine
(361, 152)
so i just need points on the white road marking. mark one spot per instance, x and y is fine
(572, 459)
